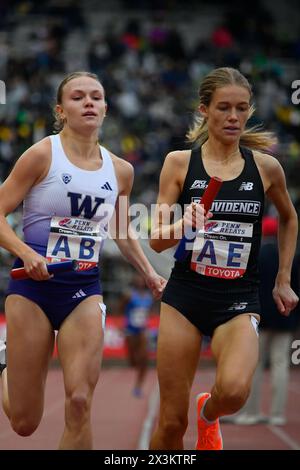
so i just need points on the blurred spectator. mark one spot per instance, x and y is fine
(136, 305)
(222, 37)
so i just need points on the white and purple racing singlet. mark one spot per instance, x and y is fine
(68, 212)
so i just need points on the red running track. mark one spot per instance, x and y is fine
(121, 421)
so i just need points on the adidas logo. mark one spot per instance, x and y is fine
(79, 294)
(107, 186)
(246, 186)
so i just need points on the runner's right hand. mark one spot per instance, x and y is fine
(36, 266)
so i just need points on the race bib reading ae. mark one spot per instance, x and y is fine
(222, 249)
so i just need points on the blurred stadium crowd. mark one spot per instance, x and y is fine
(150, 57)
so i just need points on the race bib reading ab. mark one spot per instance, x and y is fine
(74, 238)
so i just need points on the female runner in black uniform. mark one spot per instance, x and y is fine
(214, 292)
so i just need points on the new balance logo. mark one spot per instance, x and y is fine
(79, 294)
(245, 186)
(199, 184)
(107, 186)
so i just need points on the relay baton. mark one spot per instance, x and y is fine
(209, 195)
(20, 273)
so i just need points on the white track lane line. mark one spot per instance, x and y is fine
(284, 437)
(147, 427)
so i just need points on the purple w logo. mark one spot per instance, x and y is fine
(85, 208)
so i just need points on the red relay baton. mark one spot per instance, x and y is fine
(20, 273)
(207, 199)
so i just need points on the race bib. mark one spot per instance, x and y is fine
(74, 238)
(138, 317)
(222, 249)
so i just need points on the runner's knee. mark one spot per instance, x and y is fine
(24, 426)
(233, 394)
(77, 405)
(175, 425)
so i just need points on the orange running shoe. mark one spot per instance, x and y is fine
(209, 435)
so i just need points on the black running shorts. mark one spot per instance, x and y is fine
(208, 309)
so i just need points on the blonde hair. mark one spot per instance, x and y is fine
(59, 121)
(253, 137)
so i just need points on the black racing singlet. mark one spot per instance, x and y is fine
(225, 255)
